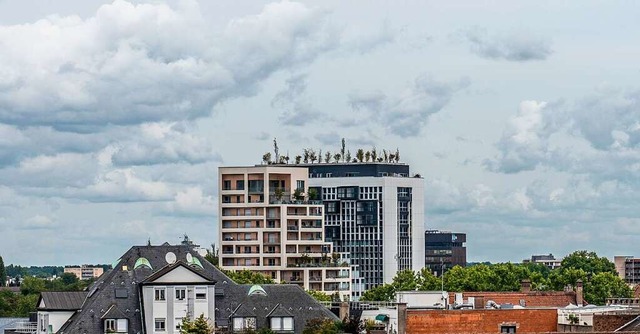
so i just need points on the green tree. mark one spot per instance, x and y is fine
(605, 285)
(385, 292)
(248, 277)
(321, 326)
(426, 281)
(69, 279)
(590, 262)
(32, 285)
(319, 295)
(405, 281)
(199, 325)
(3, 272)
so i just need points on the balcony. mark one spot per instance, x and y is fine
(292, 228)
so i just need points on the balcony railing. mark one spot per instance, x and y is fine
(23, 327)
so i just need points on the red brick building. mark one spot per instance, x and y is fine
(481, 321)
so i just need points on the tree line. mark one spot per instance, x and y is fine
(598, 274)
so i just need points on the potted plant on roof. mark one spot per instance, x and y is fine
(298, 195)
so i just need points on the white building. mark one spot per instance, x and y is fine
(374, 213)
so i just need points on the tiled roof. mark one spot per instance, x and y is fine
(229, 296)
(62, 300)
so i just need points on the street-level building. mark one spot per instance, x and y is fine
(270, 222)
(374, 215)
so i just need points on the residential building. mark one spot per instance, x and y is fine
(444, 250)
(269, 224)
(374, 215)
(628, 268)
(84, 271)
(152, 288)
(548, 261)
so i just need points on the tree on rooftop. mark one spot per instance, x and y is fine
(374, 154)
(367, 156)
(327, 157)
(348, 157)
(298, 158)
(276, 150)
(336, 157)
(360, 155)
(266, 158)
(342, 154)
(385, 155)
(397, 155)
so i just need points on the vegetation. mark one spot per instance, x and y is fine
(199, 325)
(322, 326)
(3, 273)
(598, 275)
(320, 296)
(310, 155)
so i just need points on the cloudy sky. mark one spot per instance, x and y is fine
(523, 117)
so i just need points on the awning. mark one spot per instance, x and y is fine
(382, 317)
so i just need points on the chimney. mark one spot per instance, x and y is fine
(344, 310)
(579, 297)
(525, 286)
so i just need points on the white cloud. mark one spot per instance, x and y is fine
(513, 46)
(38, 222)
(114, 68)
(193, 202)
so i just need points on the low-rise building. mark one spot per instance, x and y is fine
(152, 288)
(548, 261)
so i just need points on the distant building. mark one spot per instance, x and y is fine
(628, 268)
(84, 271)
(444, 250)
(548, 261)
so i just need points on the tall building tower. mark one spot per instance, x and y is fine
(374, 214)
(271, 223)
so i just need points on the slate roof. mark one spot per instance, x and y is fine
(62, 300)
(229, 296)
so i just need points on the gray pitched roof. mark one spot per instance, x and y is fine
(62, 300)
(229, 296)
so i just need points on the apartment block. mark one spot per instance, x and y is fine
(84, 271)
(548, 261)
(628, 268)
(269, 222)
(374, 215)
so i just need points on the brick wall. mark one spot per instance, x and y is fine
(480, 321)
(610, 322)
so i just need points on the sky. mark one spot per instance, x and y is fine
(523, 117)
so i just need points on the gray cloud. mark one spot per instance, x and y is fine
(407, 113)
(516, 46)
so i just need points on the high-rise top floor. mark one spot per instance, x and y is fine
(357, 169)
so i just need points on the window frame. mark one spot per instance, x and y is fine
(157, 321)
(160, 294)
(180, 292)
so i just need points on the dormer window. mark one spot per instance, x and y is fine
(282, 324)
(116, 325)
(240, 324)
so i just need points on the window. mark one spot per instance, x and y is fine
(507, 328)
(226, 185)
(110, 325)
(282, 324)
(240, 185)
(201, 292)
(244, 323)
(300, 184)
(160, 296)
(181, 293)
(160, 324)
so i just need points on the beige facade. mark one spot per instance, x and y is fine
(268, 227)
(84, 271)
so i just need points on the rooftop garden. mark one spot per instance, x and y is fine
(341, 155)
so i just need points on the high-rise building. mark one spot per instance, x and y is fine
(374, 215)
(270, 222)
(444, 250)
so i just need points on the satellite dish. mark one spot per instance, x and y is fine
(170, 258)
(189, 258)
